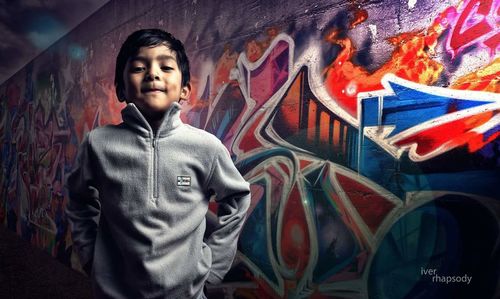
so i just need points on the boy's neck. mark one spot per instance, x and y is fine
(155, 125)
(156, 120)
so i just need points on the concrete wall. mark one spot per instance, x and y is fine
(369, 131)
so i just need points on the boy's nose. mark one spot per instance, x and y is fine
(152, 77)
(152, 74)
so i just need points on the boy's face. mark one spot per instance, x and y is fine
(153, 81)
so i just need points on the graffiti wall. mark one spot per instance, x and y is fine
(369, 131)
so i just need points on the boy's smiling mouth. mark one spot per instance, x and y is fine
(151, 89)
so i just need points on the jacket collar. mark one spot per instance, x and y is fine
(134, 118)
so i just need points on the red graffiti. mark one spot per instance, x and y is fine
(372, 206)
(295, 242)
(455, 133)
(475, 24)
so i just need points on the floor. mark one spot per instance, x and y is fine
(28, 272)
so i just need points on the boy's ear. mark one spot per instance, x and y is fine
(186, 92)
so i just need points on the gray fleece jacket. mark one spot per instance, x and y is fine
(138, 203)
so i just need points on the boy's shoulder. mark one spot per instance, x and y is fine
(199, 137)
(187, 136)
(109, 128)
(106, 131)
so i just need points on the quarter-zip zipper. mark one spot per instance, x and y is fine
(155, 167)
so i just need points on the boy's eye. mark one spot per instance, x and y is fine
(137, 69)
(166, 68)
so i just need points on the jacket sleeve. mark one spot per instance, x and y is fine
(233, 198)
(83, 208)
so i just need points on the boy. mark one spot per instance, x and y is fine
(139, 191)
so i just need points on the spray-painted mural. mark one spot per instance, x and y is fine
(372, 150)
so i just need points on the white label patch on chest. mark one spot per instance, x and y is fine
(183, 180)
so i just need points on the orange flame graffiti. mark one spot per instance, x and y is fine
(411, 59)
(485, 79)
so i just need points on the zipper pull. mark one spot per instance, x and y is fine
(154, 142)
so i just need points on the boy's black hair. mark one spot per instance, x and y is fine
(149, 38)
